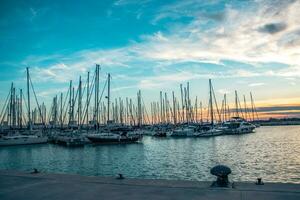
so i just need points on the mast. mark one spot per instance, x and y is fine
(61, 110)
(201, 114)
(79, 103)
(245, 108)
(28, 99)
(87, 97)
(252, 106)
(166, 109)
(174, 108)
(97, 93)
(139, 108)
(196, 111)
(73, 104)
(108, 96)
(225, 108)
(211, 103)
(236, 104)
(70, 103)
(182, 105)
(161, 108)
(188, 107)
(11, 105)
(20, 109)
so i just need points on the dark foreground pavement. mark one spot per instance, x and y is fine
(22, 185)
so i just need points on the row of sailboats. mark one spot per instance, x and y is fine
(73, 121)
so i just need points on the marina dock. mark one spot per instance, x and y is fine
(24, 185)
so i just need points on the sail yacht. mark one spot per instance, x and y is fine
(22, 140)
(237, 125)
(113, 134)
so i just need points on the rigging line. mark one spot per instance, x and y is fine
(216, 104)
(64, 104)
(92, 84)
(89, 98)
(74, 103)
(63, 108)
(145, 109)
(50, 112)
(26, 105)
(37, 101)
(4, 107)
(239, 103)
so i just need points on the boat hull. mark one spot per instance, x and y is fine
(113, 140)
(23, 141)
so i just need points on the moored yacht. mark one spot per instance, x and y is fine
(208, 131)
(185, 131)
(238, 125)
(119, 135)
(22, 140)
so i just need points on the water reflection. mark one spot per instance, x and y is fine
(272, 153)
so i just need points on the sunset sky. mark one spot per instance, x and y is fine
(155, 45)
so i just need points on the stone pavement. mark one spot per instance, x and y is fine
(22, 185)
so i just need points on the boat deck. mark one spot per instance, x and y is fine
(22, 185)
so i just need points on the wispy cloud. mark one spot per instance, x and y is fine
(256, 84)
(256, 33)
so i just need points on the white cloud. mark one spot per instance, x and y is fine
(256, 84)
(235, 36)
(223, 91)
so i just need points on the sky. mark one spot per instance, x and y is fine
(155, 45)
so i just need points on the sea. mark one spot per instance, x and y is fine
(271, 153)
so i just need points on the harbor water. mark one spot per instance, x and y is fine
(272, 153)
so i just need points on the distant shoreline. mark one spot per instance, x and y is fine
(279, 122)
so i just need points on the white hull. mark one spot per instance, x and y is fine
(182, 132)
(210, 133)
(22, 140)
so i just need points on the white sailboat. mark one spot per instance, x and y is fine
(22, 140)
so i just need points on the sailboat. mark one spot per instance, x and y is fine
(113, 135)
(19, 136)
(237, 124)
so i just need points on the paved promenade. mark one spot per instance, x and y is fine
(22, 185)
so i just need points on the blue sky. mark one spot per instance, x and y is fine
(154, 45)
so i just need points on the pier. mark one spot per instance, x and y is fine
(24, 185)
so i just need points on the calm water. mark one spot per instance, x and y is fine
(272, 153)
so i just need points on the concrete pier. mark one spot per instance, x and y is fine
(23, 185)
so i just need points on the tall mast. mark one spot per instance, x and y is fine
(225, 108)
(252, 106)
(245, 108)
(70, 103)
(188, 107)
(185, 103)
(166, 109)
(161, 108)
(174, 108)
(20, 109)
(211, 103)
(108, 96)
(97, 92)
(61, 110)
(201, 116)
(11, 105)
(236, 104)
(79, 103)
(87, 98)
(182, 105)
(139, 108)
(196, 110)
(73, 104)
(28, 99)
